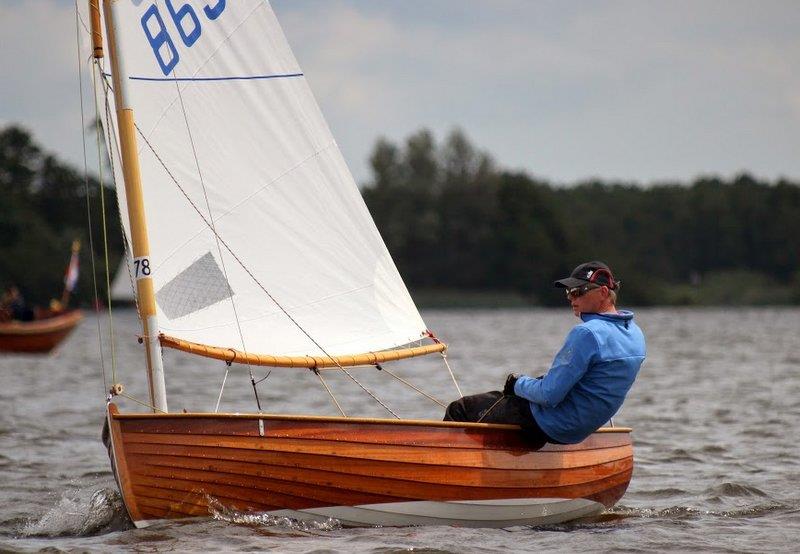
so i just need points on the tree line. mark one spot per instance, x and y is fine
(452, 219)
(455, 221)
(43, 208)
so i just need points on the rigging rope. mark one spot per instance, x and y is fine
(324, 384)
(219, 248)
(141, 402)
(111, 141)
(222, 388)
(452, 376)
(112, 340)
(88, 196)
(422, 392)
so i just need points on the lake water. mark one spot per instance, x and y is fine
(715, 413)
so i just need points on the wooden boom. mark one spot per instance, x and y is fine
(319, 362)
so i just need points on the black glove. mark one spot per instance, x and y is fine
(508, 388)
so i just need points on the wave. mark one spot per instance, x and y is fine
(714, 449)
(725, 490)
(682, 455)
(81, 513)
(687, 512)
(662, 493)
(221, 513)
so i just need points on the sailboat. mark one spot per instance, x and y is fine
(38, 336)
(121, 291)
(43, 328)
(252, 245)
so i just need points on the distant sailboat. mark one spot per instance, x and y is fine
(121, 288)
(251, 244)
(43, 328)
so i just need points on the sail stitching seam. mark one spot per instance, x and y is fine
(205, 79)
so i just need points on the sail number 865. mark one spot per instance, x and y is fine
(187, 23)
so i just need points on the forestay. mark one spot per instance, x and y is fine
(231, 134)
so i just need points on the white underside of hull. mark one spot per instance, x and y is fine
(466, 513)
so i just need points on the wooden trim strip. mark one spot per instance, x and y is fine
(232, 355)
(251, 483)
(329, 488)
(418, 455)
(412, 473)
(347, 420)
(199, 477)
(283, 492)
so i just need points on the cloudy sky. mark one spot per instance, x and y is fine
(641, 91)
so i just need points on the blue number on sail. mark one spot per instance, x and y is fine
(160, 39)
(180, 17)
(213, 13)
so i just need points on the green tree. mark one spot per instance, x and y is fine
(43, 210)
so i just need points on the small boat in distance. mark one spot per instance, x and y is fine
(39, 330)
(40, 335)
(251, 244)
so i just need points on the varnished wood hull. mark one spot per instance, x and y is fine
(39, 336)
(360, 471)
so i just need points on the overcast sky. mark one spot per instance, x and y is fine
(640, 91)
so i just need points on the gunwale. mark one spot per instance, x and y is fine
(339, 419)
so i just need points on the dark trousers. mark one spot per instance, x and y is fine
(493, 407)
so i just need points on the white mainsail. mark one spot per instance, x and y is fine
(231, 137)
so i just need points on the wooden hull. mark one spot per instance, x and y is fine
(38, 336)
(360, 471)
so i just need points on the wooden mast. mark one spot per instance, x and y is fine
(133, 192)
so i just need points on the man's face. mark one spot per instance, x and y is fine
(587, 299)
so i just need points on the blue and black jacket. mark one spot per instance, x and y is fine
(589, 378)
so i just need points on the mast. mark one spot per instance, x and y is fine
(135, 200)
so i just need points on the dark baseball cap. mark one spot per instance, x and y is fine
(583, 274)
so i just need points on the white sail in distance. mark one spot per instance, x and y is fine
(121, 290)
(259, 238)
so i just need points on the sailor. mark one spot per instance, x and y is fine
(14, 306)
(589, 377)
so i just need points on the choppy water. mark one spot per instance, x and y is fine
(715, 414)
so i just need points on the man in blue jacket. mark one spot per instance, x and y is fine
(589, 377)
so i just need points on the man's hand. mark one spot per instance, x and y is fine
(508, 388)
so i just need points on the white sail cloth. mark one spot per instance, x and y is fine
(228, 115)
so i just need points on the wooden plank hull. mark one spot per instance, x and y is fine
(39, 336)
(360, 471)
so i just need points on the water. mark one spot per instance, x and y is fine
(715, 413)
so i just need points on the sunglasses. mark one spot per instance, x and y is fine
(577, 292)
